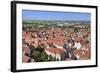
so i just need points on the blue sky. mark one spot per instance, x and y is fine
(55, 15)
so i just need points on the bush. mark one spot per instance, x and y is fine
(43, 57)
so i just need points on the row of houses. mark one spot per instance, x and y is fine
(54, 45)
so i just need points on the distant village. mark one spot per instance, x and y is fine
(44, 41)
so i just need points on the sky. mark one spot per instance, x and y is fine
(55, 15)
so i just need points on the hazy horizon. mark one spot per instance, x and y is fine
(55, 15)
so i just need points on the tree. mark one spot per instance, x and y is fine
(39, 55)
(36, 55)
(43, 57)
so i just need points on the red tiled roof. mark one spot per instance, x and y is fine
(25, 59)
(58, 40)
(26, 49)
(55, 50)
(82, 53)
